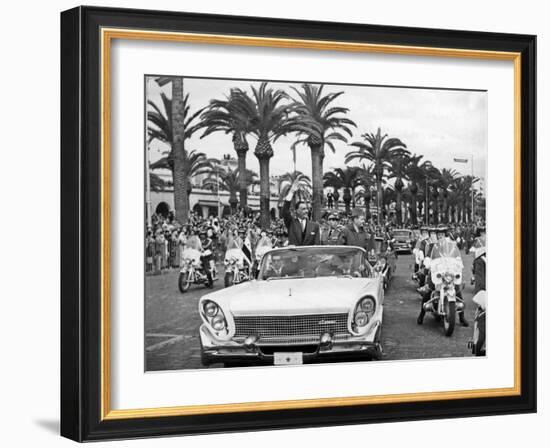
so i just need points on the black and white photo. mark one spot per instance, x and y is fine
(296, 222)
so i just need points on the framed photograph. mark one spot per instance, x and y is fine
(277, 224)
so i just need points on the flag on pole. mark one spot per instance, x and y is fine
(460, 160)
(247, 249)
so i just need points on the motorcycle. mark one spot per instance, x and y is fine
(477, 343)
(237, 267)
(445, 271)
(193, 272)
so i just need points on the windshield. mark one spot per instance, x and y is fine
(193, 242)
(401, 234)
(445, 248)
(233, 243)
(314, 262)
(263, 246)
(479, 242)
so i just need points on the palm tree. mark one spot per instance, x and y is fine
(319, 124)
(194, 164)
(269, 120)
(156, 182)
(174, 126)
(229, 180)
(303, 191)
(446, 184)
(398, 171)
(225, 116)
(346, 178)
(465, 185)
(416, 173)
(376, 148)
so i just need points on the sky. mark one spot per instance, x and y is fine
(439, 124)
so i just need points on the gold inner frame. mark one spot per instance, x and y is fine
(107, 35)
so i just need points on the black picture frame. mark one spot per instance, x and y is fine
(81, 225)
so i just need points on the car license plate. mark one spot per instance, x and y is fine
(287, 358)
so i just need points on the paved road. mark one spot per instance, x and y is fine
(172, 322)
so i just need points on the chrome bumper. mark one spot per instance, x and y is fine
(215, 351)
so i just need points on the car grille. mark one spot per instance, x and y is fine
(291, 329)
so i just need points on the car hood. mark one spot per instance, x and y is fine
(294, 296)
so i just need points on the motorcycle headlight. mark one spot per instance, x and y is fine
(210, 308)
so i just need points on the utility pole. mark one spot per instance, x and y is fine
(427, 207)
(147, 174)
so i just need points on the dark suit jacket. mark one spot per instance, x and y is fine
(296, 237)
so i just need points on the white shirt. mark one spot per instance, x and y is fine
(302, 223)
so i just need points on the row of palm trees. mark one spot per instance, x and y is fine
(420, 184)
(309, 115)
(266, 115)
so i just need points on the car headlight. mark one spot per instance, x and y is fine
(363, 313)
(210, 308)
(361, 319)
(218, 322)
(214, 316)
(368, 305)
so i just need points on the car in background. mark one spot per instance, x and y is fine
(308, 304)
(404, 240)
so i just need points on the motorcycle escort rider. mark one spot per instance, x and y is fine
(429, 287)
(419, 248)
(206, 256)
(426, 247)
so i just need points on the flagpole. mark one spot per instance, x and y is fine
(473, 215)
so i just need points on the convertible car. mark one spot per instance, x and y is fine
(308, 304)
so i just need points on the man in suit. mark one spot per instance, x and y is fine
(354, 234)
(301, 230)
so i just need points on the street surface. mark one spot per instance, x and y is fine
(172, 321)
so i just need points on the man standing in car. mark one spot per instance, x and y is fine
(301, 230)
(354, 234)
(331, 235)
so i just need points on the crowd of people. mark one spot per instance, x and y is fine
(166, 239)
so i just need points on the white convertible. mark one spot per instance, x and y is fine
(309, 303)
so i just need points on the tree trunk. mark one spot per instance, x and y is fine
(347, 200)
(398, 209)
(414, 218)
(243, 188)
(264, 193)
(180, 180)
(233, 201)
(380, 198)
(316, 182)
(241, 148)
